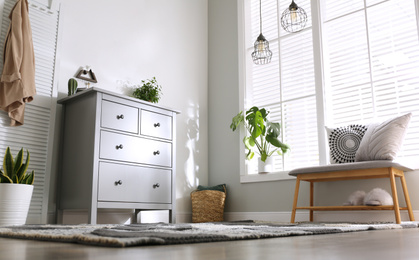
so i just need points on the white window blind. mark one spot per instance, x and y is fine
(286, 85)
(372, 61)
(35, 134)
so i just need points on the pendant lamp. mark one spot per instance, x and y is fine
(294, 18)
(261, 55)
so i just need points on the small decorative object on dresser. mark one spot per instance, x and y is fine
(264, 135)
(72, 86)
(15, 189)
(118, 153)
(149, 91)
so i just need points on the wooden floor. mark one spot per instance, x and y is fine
(386, 244)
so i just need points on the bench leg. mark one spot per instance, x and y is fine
(395, 198)
(311, 200)
(407, 198)
(294, 206)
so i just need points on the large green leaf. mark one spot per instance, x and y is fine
(256, 124)
(18, 160)
(5, 179)
(20, 173)
(249, 142)
(8, 164)
(237, 120)
(29, 178)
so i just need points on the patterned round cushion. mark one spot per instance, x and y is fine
(344, 142)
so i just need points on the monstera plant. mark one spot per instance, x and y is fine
(263, 135)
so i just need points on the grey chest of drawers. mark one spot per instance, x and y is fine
(117, 153)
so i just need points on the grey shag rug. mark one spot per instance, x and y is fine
(168, 234)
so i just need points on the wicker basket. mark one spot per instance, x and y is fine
(208, 205)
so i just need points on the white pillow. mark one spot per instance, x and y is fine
(344, 142)
(383, 141)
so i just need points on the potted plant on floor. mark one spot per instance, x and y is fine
(263, 136)
(16, 188)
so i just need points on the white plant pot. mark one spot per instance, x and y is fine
(267, 166)
(15, 200)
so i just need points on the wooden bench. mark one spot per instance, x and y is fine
(353, 171)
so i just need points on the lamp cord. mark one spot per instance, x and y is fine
(260, 15)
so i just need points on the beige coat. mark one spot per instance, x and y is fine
(17, 85)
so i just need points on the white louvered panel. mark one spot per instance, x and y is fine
(395, 59)
(300, 123)
(297, 71)
(35, 133)
(332, 8)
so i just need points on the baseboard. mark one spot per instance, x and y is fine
(321, 216)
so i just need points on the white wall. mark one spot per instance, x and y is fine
(130, 40)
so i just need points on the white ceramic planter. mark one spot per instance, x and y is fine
(15, 200)
(267, 166)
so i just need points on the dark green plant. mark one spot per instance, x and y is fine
(150, 91)
(72, 86)
(14, 171)
(264, 135)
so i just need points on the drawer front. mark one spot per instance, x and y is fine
(119, 117)
(121, 147)
(156, 125)
(126, 183)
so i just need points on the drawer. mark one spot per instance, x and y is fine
(156, 125)
(127, 183)
(114, 146)
(119, 117)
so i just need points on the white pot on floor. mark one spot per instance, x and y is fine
(15, 200)
(267, 166)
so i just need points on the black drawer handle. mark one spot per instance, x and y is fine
(156, 152)
(119, 182)
(119, 147)
(157, 185)
(121, 116)
(157, 125)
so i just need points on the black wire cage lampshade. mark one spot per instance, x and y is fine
(294, 18)
(261, 55)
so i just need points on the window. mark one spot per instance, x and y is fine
(364, 71)
(372, 58)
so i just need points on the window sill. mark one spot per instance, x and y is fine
(275, 176)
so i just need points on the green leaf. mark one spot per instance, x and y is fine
(23, 168)
(250, 155)
(29, 178)
(8, 164)
(263, 157)
(18, 160)
(5, 179)
(284, 148)
(236, 121)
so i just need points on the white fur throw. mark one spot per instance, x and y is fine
(356, 198)
(376, 197)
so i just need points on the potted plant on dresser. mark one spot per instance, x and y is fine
(16, 188)
(263, 137)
